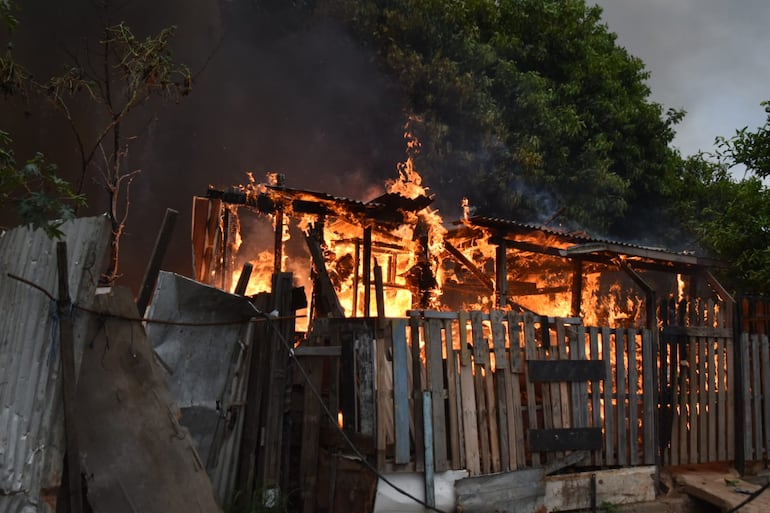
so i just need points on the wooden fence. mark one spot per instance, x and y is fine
(754, 388)
(502, 391)
(697, 382)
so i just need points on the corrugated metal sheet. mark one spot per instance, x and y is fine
(208, 367)
(31, 411)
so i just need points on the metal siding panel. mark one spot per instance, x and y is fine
(31, 414)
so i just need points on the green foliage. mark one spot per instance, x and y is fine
(35, 190)
(527, 106)
(730, 218)
(6, 14)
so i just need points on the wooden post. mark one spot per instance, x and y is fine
(243, 280)
(278, 242)
(379, 294)
(224, 268)
(430, 492)
(356, 277)
(153, 267)
(69, 381)
(501, 274)
(577, 286)
(251, 427)
(367, 271)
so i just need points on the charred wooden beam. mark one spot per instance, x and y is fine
(462, 259)
(324, 296)
(367, 271)
(501, 274)
(577, 287)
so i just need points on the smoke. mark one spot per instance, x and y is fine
(275, 90)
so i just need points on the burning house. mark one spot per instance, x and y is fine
(479, 347)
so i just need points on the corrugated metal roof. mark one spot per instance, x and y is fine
(505, 226)
(31, 413)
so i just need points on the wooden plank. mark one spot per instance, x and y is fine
(427, 415)
(712, 487)
(633, 404)
(649, 408)
(564, 396)
(616, 487)
(455, 404)
(566, 370)
(684, 394)
(620, 384)
(721, 412)
(384, 380)
(200, 214)
(692, 393)
(596, 421)
(609, 411)
(522, 491)
(756, 396)
(467, 393)
(711, 377)
(311, 419)
(696, 331)
(501, 390)
(565, 439)
(400, 391)
(702, 402)
(435, 375)
(417, 389)
(551, 418)
(732, 379)
(494, 431)
(516, 418)
(69, 381)
(675, 398)
(156, 259)
(578, 349)
(531, 354)
(480, 354)
(765, 388)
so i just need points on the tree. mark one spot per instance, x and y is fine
(98, 94)
(527, 106)
(35, 190)
(731, 216)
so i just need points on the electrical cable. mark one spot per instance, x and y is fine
(333, 420)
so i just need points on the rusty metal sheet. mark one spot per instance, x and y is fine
(31, 411)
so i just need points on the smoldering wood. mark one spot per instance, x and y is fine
(243, 279)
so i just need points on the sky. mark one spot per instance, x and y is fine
(708, 57)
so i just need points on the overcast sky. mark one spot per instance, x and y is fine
(709, 57)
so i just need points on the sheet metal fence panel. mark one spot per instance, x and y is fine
(31, 413)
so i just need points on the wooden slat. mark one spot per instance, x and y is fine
(417, 389)
(310, 433)
(633, 404)
(502, 391)
(455, 405)
(720, 412)
(516, 492)
(467, 393)
(517, 422)
(365, 383)
(565, 439)
(675, 396)
(480, 355)
(435, 366)
(649, 406)
(427, 415)
(702, 401)
(756, 396)
(581, 407)
(765, 365)
(620, 384)
(531, 354)
(609, 411)
(593, 335)
(564, 395)
(730, 352)
(711, 377)
(683, 400)
(384, 379)
(400, 391)
(692, 394)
